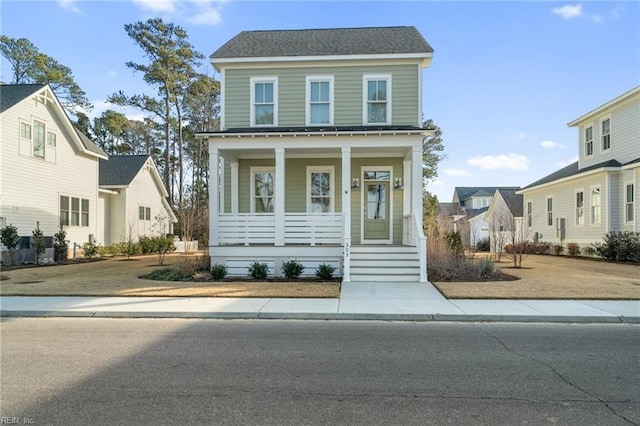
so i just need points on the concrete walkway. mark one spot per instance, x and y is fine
(358, 301)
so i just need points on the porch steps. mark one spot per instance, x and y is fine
(385, 263)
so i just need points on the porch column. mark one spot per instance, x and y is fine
(416, 181)
(234, 187)
(346, 213)
(279, 198)
(406, 194)
(214, 193)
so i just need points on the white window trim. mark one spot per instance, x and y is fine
(603, 119)
(627, 202)
(529, 213)
(252, 185)
(322, 169)
(365, 80)
(33, 138)
(585, 140)
(314, 79)
(30, 130)
(575, 207)
(252, 110)
(591, 221)
(70, 210)
(546, 212)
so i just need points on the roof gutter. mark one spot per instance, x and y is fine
(423, 132)
(568, 178)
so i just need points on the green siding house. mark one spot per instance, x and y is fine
(319, 156)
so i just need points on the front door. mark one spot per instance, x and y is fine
(376, 210)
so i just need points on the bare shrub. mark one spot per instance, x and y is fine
(188, 266)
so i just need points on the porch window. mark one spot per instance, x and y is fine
(264, 101)
(605, 136)
(595, 206)
(262, 190)
(320, 189)
(629, 202)
(580, 208)
(377, 102)
(319, 100)
(549, 211)
(588, 141)
(38, 139)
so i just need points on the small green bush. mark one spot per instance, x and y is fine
(9, 237)
(558, 250)
(325, 272)
(292, 269)
(258, 271)
(483, 245)
(146, 244)
(454, 242)
(90, 249)
(219, 271)
(60, 245)
(165, 274)
(573, 249)
(37, 241)
(620, 247)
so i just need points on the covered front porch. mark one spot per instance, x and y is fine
(315, 197)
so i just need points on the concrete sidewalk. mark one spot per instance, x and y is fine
(358, 301)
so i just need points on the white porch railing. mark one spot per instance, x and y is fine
(299, 228)
(413, 235)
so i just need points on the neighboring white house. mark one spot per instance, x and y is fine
(52, 174)
(132, 200)
(319, 157)
(504, 219)
(48, 171)
(598, 194)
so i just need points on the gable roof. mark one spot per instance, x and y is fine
(88, 143)
(615, 101)
(450, 209)
(513, 201)
(571, 170)
(11, 94)
(325, 42)
(120, 170)
(465, 192)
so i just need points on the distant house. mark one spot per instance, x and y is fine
(319, 156)
(504, 219)
(132, 200)
(599, 193)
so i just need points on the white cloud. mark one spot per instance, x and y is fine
(564, 163)
(199, 12)
(206, 15)
(101, 106)
(514, 162)
(552, 145)
(112, 74)
(522, 135)
(69, 5)
(568, 11)
(456, 172)
(435, 182)
(167, 6)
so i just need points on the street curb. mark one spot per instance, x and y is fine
(328, 316)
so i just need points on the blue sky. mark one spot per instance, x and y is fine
(505, 79)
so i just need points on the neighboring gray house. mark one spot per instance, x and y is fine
(132, 200)
(320, 154)
(583, 201)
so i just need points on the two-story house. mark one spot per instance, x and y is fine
(319, 156)
(598, 193)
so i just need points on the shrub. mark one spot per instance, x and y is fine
(258, 271)
(292, 269)
(189, 266)
(38, 242)
(486, 267)
(90, 249)
(9, 237)
(558, 249)
(163, 245)
(60, 245)
(620, 247)
(588, 251)
(165, 274)
(454, 242)
(219, 271)
(146, 244)
(484, 245)
(542, 247)
(573, 249)
(325, 272)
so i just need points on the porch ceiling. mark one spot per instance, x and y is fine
(314, 152)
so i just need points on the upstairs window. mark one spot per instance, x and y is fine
(580, 208)
(377, 103)
(38, 139)
(51, 139)
(605, 135)
(629, 203)
(588, 141)
(25, 130)
(319, 100)
(549, 211)
(264, 101)
(595, 206)
(144, 213)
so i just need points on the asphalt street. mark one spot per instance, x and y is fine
(73, 371)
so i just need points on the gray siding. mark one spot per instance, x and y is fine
(348, 81)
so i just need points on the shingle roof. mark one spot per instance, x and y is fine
(471, 213)
(11, 94)
(324, 42)
(514, 201)
(466, 192)
(571, 170)
(450, 209)
(88, 143)
(120, 169)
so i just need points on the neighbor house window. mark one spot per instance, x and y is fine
(588, 141)
(38, 139)
(51, 139)
(629, 199)
(580, 208)
(549, 211)
(595, 205)
(320, 189)
(605, 135)
(529, 214)
(319, 100)
(25, 130)
(377, 102)
(144, 213)
(64, 210)
(262, 190)
(264, 101)
(74, 211)
(84, 212)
